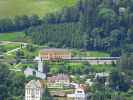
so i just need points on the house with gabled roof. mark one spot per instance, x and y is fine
(58, 81)
(34, 90)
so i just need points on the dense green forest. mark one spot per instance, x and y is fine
(105, 25)
(11, 84)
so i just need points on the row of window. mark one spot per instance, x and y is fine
(30, 91)
(56, 56)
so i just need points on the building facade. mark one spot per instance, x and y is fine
(33, 90)
(37, 73)
(54, 54)
(58, 81)
(32, 72)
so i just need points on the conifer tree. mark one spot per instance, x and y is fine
(46, 95)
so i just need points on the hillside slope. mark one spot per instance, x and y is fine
(11, 8)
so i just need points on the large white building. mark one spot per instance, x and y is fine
(33, 90)
(55, 54)
(32, 72)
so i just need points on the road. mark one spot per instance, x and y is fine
(96, 62)
(91, 60)
(16, 69)
(13, 50)
(9, 42)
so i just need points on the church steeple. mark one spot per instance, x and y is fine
(40, 65)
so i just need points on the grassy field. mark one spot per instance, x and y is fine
(97, 54)
(90, 53)
(10, 46)
(11, 36)
(11, 8)
(103, 67)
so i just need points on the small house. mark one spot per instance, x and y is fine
(58, 81)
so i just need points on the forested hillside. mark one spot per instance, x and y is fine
(17, 15)
(105, 25)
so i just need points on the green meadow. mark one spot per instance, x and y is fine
(97, 54)
(11, 8)
(103, 67)
(90, 53)
(11, 36)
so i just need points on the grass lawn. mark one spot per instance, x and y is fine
(10, 46)
(11, 8)
(11, 36)
(75, 64)
(23, 66)
(104, 67)
(90, 53)
(30, 54)
(97, 54)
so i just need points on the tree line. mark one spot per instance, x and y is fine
(18, 23)
(105, 25)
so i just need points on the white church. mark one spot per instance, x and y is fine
(37, 73)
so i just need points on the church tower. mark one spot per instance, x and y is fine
(40, 65)
(43, 68)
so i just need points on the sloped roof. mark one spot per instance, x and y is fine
(58, 78)
(55, 50)
(34, 84)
